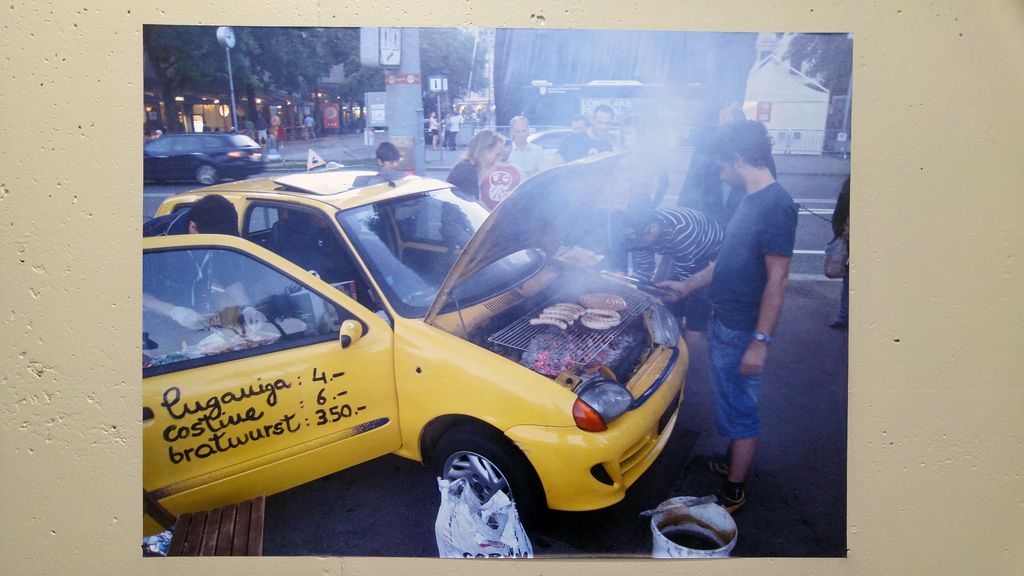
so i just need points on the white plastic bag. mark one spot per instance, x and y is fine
(467, 529)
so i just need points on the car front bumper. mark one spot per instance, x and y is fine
(582, 470)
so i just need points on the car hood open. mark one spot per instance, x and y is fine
(568, 205)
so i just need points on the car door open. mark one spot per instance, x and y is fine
(257, 376)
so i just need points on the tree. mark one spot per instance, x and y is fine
(290, 60)
(449, 52)
(358, 81)
(181, 58)
(826, 57)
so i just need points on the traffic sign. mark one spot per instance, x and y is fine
(390, 46)
(438, 83)
(393, 79)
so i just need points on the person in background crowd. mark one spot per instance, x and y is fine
(527, 157)
(442, 132)
(261, 130)
(452, 131)
(691, 240)
(476, 163)
(594, 140)
(272, 143)
(310, 133)
(747, 287)
(841, 233)
(389, 158)
(579, 123)
(435, 131)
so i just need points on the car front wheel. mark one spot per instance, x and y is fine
(490, 463)
(206, 175)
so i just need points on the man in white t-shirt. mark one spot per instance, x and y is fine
(527, 157)
(454, 123)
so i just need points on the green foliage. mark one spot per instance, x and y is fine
(362, 80)
(449, 51)
(184, 57)
(292, 60)
(826, 57)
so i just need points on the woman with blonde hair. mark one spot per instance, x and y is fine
(434, 128)
(477, 163)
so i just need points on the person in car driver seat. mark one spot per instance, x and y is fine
(213, 287)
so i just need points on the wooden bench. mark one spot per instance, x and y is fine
(235, 530)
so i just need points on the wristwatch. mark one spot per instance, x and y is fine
(762, 337)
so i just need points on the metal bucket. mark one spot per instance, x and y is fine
(703, 531)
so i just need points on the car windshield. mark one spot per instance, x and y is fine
(411, 244)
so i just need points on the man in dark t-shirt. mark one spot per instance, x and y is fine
(747, 285)
(594, 140)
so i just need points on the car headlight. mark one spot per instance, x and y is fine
(664, 327)
(599, 402)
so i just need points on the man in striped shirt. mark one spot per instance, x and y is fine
(691, 241)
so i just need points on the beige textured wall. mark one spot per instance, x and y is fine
(936, 428)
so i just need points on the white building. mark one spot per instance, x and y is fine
(792, 106)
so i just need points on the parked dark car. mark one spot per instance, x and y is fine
(205, 158)
(549, 140)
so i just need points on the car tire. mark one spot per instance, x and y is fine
(474, 452)
(206, 174)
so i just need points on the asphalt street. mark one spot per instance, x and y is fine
(796, 490)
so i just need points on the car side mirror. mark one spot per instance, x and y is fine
(350, 333)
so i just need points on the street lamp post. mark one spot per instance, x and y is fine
(226, 38)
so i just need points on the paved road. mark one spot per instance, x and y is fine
(797, 489)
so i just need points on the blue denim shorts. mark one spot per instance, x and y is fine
(735, 394)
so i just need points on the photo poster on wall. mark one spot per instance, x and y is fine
(283, 363)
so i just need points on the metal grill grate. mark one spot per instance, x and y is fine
(576, 343)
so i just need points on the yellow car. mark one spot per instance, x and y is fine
(356, 317)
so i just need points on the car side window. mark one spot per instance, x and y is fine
(185, 143)
(159, 146)
(210, 305)
(261, 219)
(309, 240)
(207, 143)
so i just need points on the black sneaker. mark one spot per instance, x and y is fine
(719, 465)
(731, 499)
